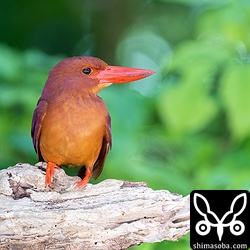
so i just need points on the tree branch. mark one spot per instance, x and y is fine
(113, 214)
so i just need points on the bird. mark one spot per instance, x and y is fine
(71, 125)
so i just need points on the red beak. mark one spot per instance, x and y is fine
(116, 74)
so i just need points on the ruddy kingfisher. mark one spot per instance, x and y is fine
(71, 123)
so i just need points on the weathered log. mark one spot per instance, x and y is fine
(113, 214)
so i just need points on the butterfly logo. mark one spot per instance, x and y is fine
(203, 227)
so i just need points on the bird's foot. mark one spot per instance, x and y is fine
(84, 181)
(50, 173)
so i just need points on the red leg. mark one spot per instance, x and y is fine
(50, 173)
(85, 180)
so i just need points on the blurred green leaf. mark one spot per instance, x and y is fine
(235, 94)
(10, 63)
(186, 108)
(229, 22)
(203, 57)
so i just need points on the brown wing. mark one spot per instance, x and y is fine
(106, 146)
(36, 126)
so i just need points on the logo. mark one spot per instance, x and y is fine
(220, 219)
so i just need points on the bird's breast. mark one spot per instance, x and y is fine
(73, 130)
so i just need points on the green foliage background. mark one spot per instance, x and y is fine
(186, 127)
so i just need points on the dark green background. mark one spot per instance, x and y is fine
(186, 127)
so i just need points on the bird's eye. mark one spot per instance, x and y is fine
(86, 71)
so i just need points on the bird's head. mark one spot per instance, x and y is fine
(92, 74)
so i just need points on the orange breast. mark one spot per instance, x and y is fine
(73, 130)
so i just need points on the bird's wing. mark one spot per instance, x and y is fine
(106, 146)
(37, 121)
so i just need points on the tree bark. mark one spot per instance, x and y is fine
(113, 214)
